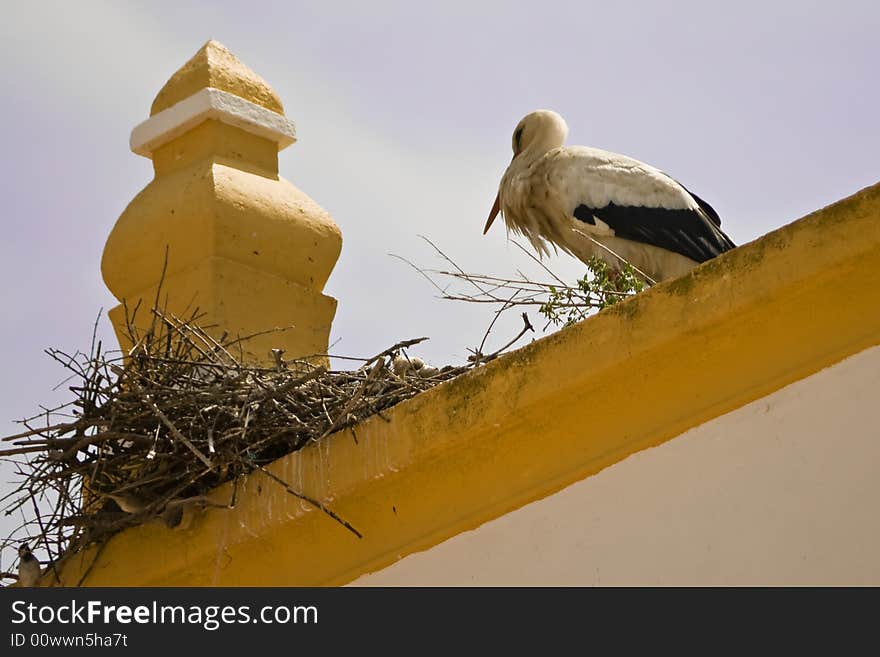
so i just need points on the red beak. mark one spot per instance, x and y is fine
(496, 207)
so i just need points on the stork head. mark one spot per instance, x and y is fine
(538, 132)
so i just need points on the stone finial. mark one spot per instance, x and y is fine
(215, 67)
(245, 246)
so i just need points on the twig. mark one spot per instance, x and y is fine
(311, 501)
(527, 327)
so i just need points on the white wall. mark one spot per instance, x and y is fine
(784, 490)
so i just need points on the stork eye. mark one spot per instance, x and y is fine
(517, 137)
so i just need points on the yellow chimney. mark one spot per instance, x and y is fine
(245, 247)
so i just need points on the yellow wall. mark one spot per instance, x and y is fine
(537, 420)
(780, 492)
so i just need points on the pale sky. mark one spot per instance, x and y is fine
(404, 112)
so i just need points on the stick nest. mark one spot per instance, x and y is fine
(149, 436)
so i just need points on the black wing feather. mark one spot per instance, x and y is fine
(695, 234)
(708, 209)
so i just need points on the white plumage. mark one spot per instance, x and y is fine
(589, 202)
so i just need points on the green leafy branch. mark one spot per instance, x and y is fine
(600, 287)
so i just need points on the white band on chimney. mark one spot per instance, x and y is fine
(207, 104)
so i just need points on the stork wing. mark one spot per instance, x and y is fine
(640, 203)
(688, 232)
(705, 207)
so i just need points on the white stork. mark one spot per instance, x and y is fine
(589, 202)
